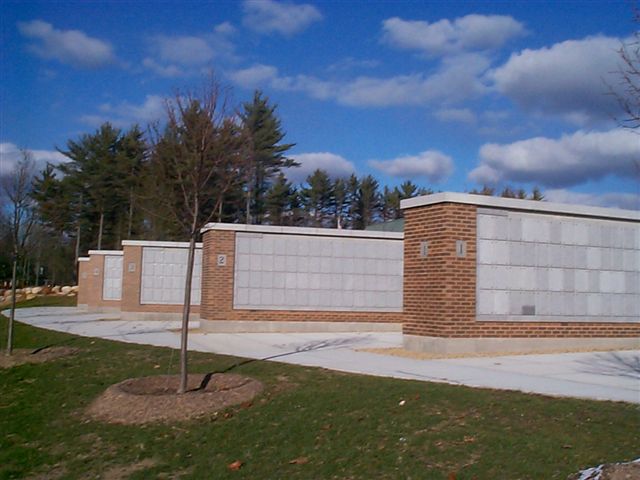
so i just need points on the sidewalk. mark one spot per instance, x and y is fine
(598, 375)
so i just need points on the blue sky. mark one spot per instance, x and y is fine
(451, 95)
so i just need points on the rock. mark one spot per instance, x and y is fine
(610, 471)
(37, 290)
(26, 290)
(19, 298)
(46, 290)
(66, 289)
(30, 296)
(55, 289)
(75, 289)
(71, 294)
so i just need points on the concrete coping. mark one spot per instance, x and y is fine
(518, 204)
(105, 252)
(152, 243)
(318, 232)
(84, 259)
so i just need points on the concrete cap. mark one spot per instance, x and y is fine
(518, 204)
(151, 243)
(105, 252)
(319, 232)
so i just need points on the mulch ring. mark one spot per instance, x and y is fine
(20, 356)
(154, 399)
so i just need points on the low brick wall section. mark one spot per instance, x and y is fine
(218, 291)
(440, 288)
(91, 282)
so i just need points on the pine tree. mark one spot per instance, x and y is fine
(266, 153)
(278, 201)
(368, 202)
(390, 205)
(340, 203)
(317, 198)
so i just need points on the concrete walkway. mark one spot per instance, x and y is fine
(598, 375)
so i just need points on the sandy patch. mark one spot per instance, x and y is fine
(21, 356)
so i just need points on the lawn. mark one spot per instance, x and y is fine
(309, 424)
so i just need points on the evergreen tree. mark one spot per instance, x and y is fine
(340, 203)
(368, 202)
(536, 194)
(278, 201)
(318, 198)
(353, 189)
(265, 151)
(390, 205)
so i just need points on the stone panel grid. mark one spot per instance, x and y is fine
(163, 276)
(533, 266)
(297, 272)
(112, 282)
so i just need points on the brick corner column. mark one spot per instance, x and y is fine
(439, 288)
(131, 277)
(218, 264)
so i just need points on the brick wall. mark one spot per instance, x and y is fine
(84, 281)
(217, 291)
(440, 290)
(90, 293)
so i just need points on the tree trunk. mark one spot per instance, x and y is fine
(100, 230)
(248, 206)
(130, 213)
(13, 305)
(185, 315)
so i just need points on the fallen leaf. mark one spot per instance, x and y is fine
(299, 461)
(452, 476)
(468, 439)
(228, 415)
(235, 465)
(326, 427)
(402, 402)
(567, 446)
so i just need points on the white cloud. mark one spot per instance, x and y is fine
(430, 164)
(125, 114)
(180, 55)
(269, 16)
(461, 115)
(627, 201)
(72, 47)
(350, 63)
(569, 78)
(254, 76)
(335, 165)
(225, 28)
(183, 50)
(10, 155)
(569, 160)
(170, 71)
(471, 32)
(457, 79)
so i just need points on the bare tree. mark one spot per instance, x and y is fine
(628, 94)
(194, 162)
(17, 189)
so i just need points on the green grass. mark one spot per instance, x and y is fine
(347, 426)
